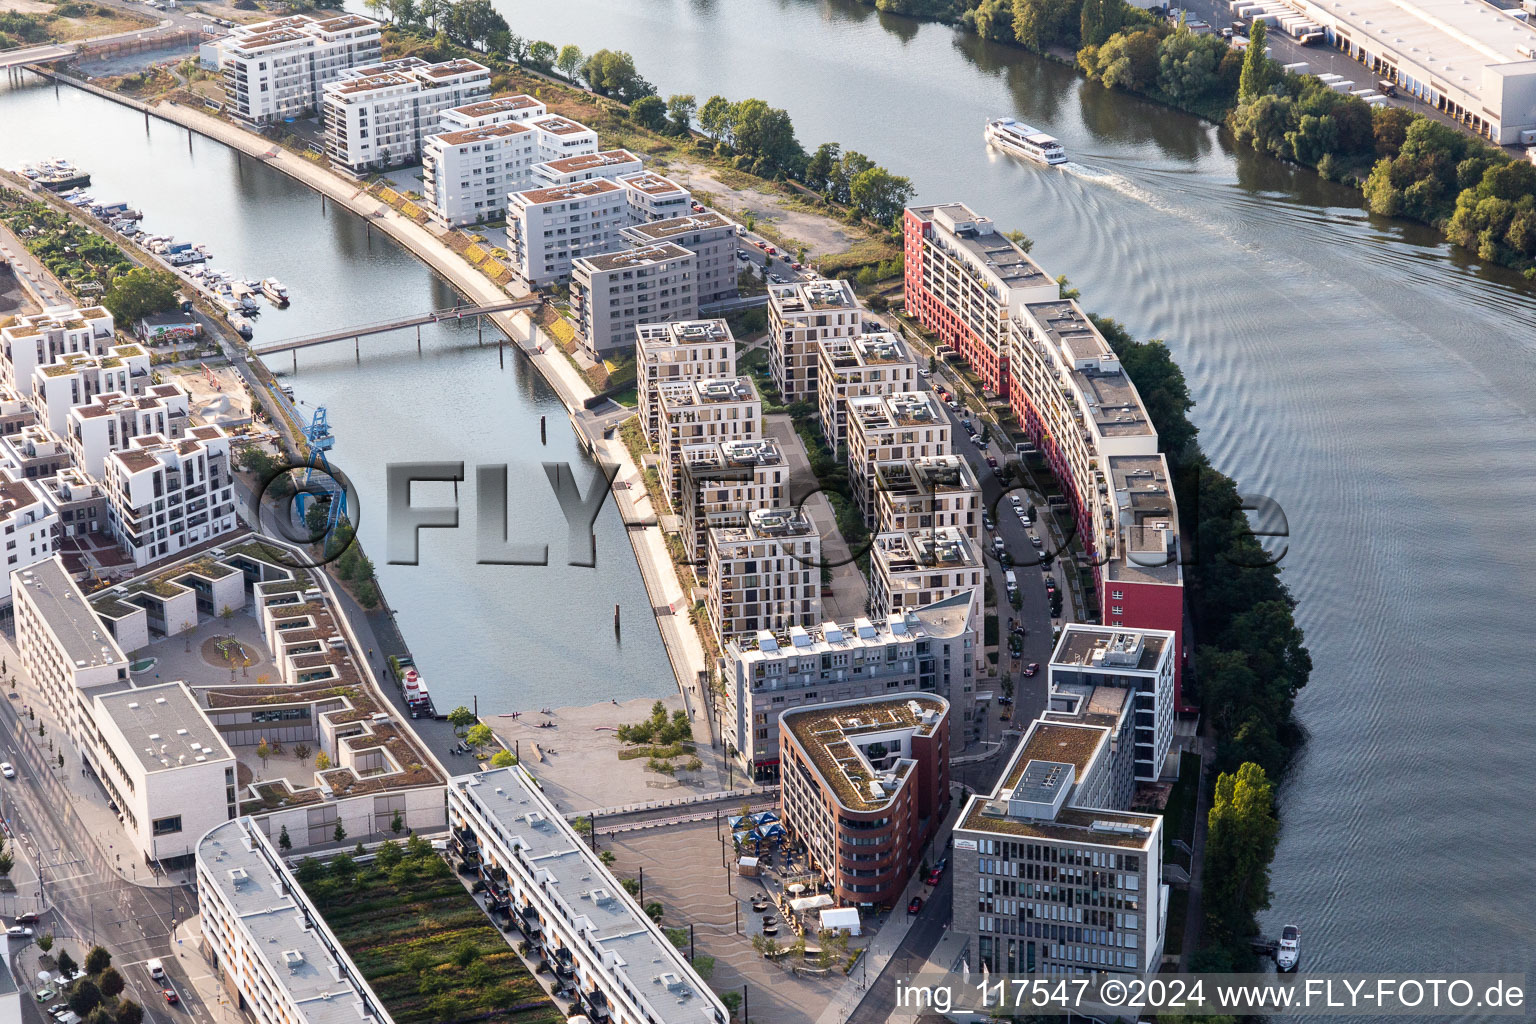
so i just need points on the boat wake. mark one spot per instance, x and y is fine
(1120, 183)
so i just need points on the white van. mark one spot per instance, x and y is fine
(156, 969)
(1010, 578)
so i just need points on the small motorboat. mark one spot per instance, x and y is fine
(275, 290)
(1288, 955)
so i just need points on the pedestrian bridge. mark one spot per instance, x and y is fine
(435, 316)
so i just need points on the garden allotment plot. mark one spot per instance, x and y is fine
(425, 947)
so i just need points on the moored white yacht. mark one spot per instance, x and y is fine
(1288, 955)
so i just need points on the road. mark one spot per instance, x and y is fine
(64, 876)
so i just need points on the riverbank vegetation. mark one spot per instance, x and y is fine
(68, 21)
(83, 261)
(1407, 165)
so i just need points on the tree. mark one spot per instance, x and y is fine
(881, 195)
(1238, 848)
(517, 48)
(569, 61)
(649, 111)
(822, 166)
(263, 751)
(1187, 65)
(97, 960)
(1258, 70)
(66, 964)
(138, 293)
(343, 865)
(715, 117)
(111, 983)
(542, 55)
(130, 1012)
(85, 997)
(461, 718)
(397, 823)
(45, 941)
(1100, 19)
(340, 834)
(1039, 24)
(1129, 60)
(654, 911)
(479, 736)
(503, 759)
(309, 871)
(301, 751)
(401, 12)
(1389, 127)
(680, 111)
(612, 73)
(284, 842)
(322, 762)
(388, 854)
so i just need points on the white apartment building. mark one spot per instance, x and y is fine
(15, 412)
(1057, 879)
(919, 567)
(268, 945)
(801, 314)
(613, 293)
(1138, 661)
(721, 483)
(79, 502)
(878, 363)
(378, 116)
(165, 766)
(712, 240)
(681, 350)
(274, 70)
(64, 648)
(40, 338)
(467, 173)
(931, 650)
(79, 377)
(28, 527)
(560, 137)
(518, 109)
(928, 493)
(167, 496)
(34, 453)
(545, 880)
(610, 163)
(106, 422)
(652, 197)
(549, 227)
(891, 428)
(765, 574)
(699, 412)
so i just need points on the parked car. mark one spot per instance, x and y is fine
(26, 918)
(915, 905)
(1034, 538)
(986, 521)
(922, 371)
(796, 266)
(1024, 518)
(741, 254)
(18, 931)
(954, 405)
(770, 250)
(761, 244)
(170, 996)
(7, 770)
(935, 876)
(992, 461)
(698, 207)
(1018, 502)
(1031, 668)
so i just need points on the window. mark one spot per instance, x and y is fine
(1118, 595)
(167, 826)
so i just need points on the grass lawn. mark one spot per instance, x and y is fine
(1179, 815)
(424, 945)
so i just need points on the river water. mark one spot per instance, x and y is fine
(519, 638)
(1374, 383)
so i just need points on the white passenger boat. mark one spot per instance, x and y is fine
(1020, 139)
(1288, 955)
(274, 289)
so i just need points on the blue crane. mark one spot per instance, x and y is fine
(320, 439)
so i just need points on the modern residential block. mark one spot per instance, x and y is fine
(701, 412)
(167, 496)
(549, 227)
(765, 574)
(610, 163)
(612, 293)
(891, 428)
(106, 423)
(543, 879)
(721, 483)
(877, 363)
(378, 116)
(518, 109)
(928, 493)
(918, 567)
(652, 197)
(560, 137)
(930, 650)
(38, 339)
(29, 526)
(712, 240)
(274, 70)
(677, 351)
(865, 785)
(468, 173)
(964, 280)
(801, 314)
(79, 377)
(1140, 662)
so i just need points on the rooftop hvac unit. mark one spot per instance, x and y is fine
(293, 958)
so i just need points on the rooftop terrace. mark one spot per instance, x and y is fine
(835, 738)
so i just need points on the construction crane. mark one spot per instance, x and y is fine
(320, 440)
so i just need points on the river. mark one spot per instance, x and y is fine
(519, 638)
(1374, 383)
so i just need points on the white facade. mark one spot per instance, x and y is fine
(679, 351)
(378, 115)
(167, 496)
(878, 363)
(560, 137)
(468, 173)
(1140, 661)
(39, 339)
(106, 422)
(78, 378)
(278, 69)
(920, 567)
(700, 412)
(712, 240)
(549, 227)
(652, 197)
(28, 527)
(270, 947)
(518, 109)
(613, 293)
(800, 314)
(891, 428)
(765, 574)
(542, 877)
(610, 163)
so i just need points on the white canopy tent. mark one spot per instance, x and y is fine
(845, 918)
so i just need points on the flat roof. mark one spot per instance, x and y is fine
(629, 259)
(1001, 258)
(901, 409)
(236, 858)
(819, 296)
(1147, 518)
(943, 547)
(709, 220)
(592, 161)
(768, 524)
(490, 131)
(1453, 37)
(829, 735)
(1111, 648)
(580, 881)
(499, 105)
(673, 333)
(575, 190)
(650, 183)
(86, 641)
(164, 727)
(557, 125)
(683, 393)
